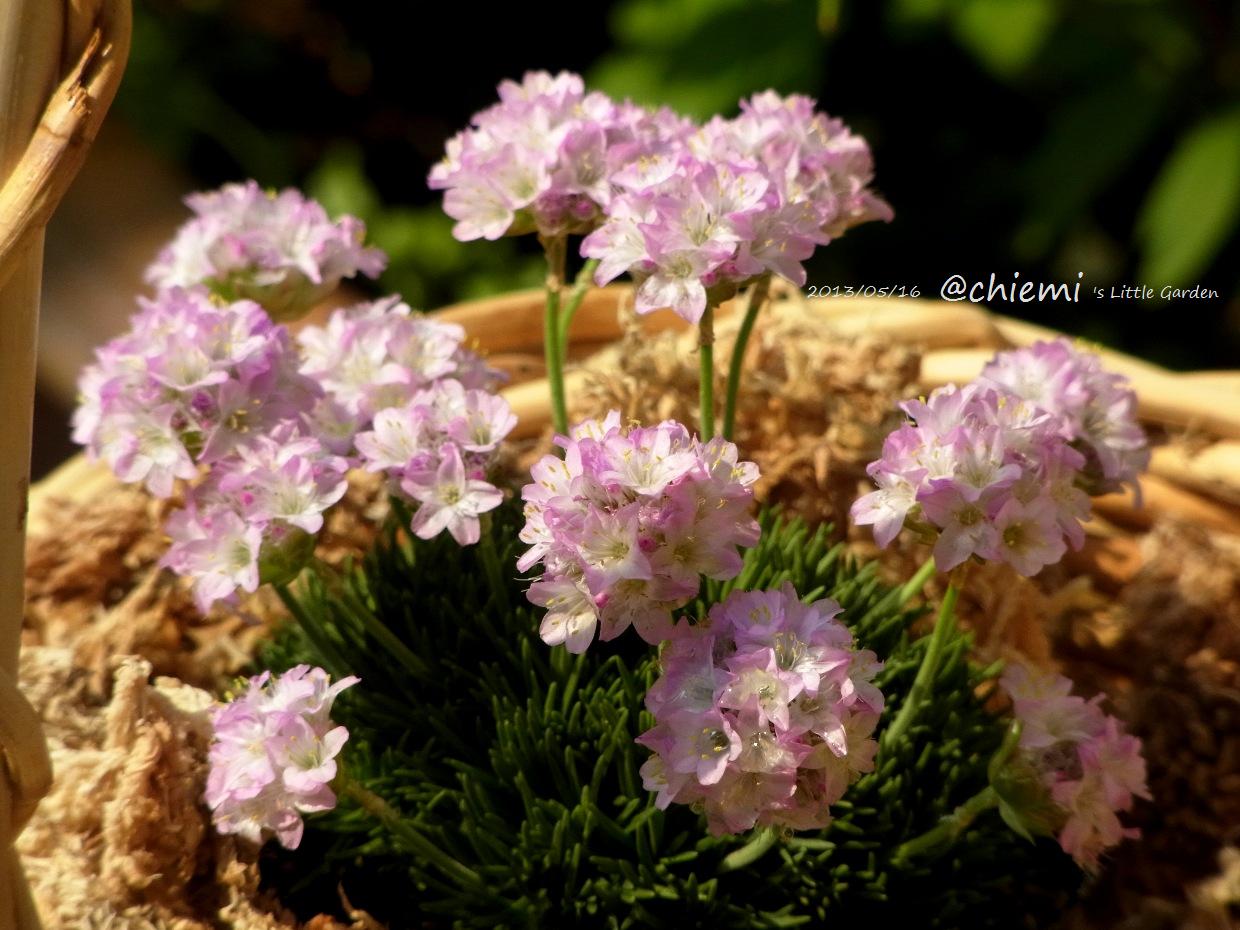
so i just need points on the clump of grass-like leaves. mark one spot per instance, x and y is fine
(519, 761)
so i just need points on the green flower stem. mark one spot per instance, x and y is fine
(914, 585)
(949, 828)
(751, 852)
(489, 557)
(757, 297)
(554, 247)
(943, 628)
(581, 284)
(1007, 749)
(706, 374)
(408, 833)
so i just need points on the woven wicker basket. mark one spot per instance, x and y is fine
(956, 341)
(1201, 485)
(1197, 480)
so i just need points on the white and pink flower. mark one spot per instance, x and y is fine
(279, 249)
(626, 524)
(1002, 468)
(273, 755)
(1091, 770)
(764, 713)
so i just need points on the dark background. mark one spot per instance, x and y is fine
(1048, 137)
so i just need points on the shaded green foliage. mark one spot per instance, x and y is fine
(422, 253)
(1195, 203)
(519, 761)
(1039, 136)
(700, 56)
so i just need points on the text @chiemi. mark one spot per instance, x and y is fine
(1016, 290)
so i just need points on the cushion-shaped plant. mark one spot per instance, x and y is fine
(519, 763)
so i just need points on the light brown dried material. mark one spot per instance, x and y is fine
(151, 827)
(814, 407)
(1167, 650)
(85, 557)
(1216, 901)
(93, 585)
(123, 842)
(1007, 613)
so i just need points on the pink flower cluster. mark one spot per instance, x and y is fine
(763, 714)
(437, 450)
(273, 755)
(1091, 769)
(742, 197)
(691, 212)
(191, 380)
(994, 474)
(542, 158)
(1095, 409)
(280, 250)
(261, 430)
(373, 370)
(379, 355)
(985, 471)
(810, 159)
(626, 524)
(255, 516)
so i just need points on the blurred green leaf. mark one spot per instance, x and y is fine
(1090, 140)
(339, 183)
(829, 16)
(701, 57)
(1164, 37)
(1194, 203)
(422, 235)
(666, 23)
(1005, 35)
(426, 265)
(529, 272)
(904, 12)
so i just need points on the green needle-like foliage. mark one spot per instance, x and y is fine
(519, 761)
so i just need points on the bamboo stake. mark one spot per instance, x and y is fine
(1224, 380)
(1162, 498)
(44, 131)
(513, 322)
(1163, 397)
(74, 113)
(1021, 333)
(1214, 470)
(31, 32)
(30, 48)
(925, 323)
(529, 402)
